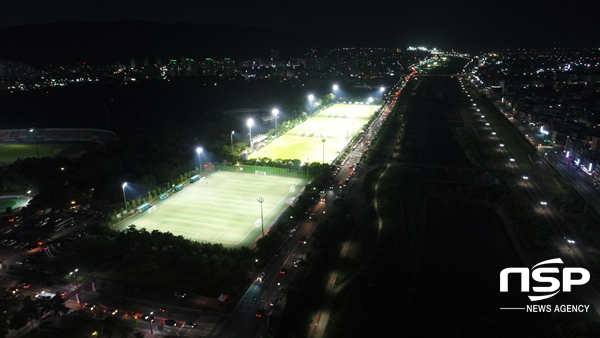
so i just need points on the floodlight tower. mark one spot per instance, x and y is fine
(261, 200)
(275, 111)
(323, 140)
(124, 197)
(199, 151)
(250, 123)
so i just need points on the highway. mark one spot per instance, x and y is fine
(535, 186)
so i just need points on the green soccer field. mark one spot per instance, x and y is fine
(13, 202)
(224, 211)
(335, 124)
(12, 152)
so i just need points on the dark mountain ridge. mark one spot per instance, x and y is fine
(100, 43)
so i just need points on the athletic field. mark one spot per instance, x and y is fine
(334, 124)
(223, 208)
(12, 152)
(13, 202)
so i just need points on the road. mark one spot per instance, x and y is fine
(243, 322)
(356, 197)
(535, 185)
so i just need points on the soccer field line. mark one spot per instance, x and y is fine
(276, 204)
(296, 182)
(257, 183)
(193, 232)
(177, 230)
(169, 200)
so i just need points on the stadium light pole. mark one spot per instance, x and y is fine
(370, 105)
(250, 123)
(323, 141)
(35, 142)
(335, 88)
(261, 200)
(199, 151)
(307, 163)
(311, 97)
(124, 197)
(275, 111)
(232, 141)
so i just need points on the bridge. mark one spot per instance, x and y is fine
(81, 287)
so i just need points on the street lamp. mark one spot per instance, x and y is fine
(124, 197)
(151, 320)
(74, 275)
(261, 200)
(232, 140)
(250, 123)
(275, 111)
(382, 89)
(199, 151)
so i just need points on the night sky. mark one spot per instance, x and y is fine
(445, 24)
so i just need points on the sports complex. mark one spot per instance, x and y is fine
(221, 208)
(337, 125)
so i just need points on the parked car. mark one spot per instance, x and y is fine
(260, 277)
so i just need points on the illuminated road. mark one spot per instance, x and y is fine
(243, 322)
(534, 187)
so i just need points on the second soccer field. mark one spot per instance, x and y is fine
(223, 208)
